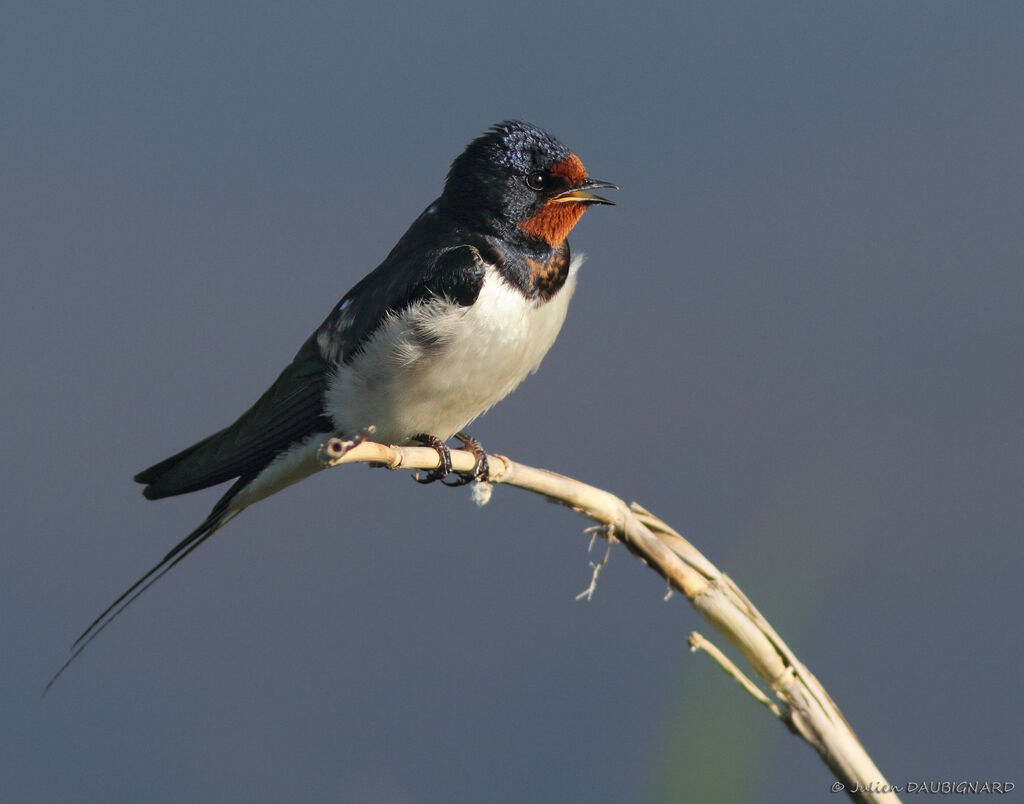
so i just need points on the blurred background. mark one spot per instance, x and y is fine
(797, 339)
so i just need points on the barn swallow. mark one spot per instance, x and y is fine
(464, 307)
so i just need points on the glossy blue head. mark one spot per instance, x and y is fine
(519, 181)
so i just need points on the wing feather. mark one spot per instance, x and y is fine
(288, 411)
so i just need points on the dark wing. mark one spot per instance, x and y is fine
(290, 410)
(433, 259)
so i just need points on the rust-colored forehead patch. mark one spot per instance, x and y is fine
(571, 169)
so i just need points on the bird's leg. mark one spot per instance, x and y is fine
(443, 453)
(480, 471)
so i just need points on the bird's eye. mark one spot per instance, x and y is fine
(537, 181)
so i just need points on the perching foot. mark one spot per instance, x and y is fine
(443, 453)
(480, 471)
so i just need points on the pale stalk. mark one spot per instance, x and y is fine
(802, 702)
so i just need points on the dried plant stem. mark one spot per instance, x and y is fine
(802, 703)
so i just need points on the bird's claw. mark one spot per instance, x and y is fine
(444, 455)
(480, 469)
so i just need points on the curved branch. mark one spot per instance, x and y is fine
(803, 704)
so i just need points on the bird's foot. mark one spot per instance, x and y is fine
(443, 453)
(481, 471)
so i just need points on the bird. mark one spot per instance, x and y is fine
(461, 310)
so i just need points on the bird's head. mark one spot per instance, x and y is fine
(519, 182)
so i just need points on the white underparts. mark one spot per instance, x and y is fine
(296, 463)
(437, 366)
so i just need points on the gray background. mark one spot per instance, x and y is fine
(797, 338)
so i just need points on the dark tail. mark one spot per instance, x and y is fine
(197, 467)
(210, 525)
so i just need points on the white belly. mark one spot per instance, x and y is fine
(438, 366)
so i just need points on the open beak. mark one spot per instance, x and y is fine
(580, 195)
